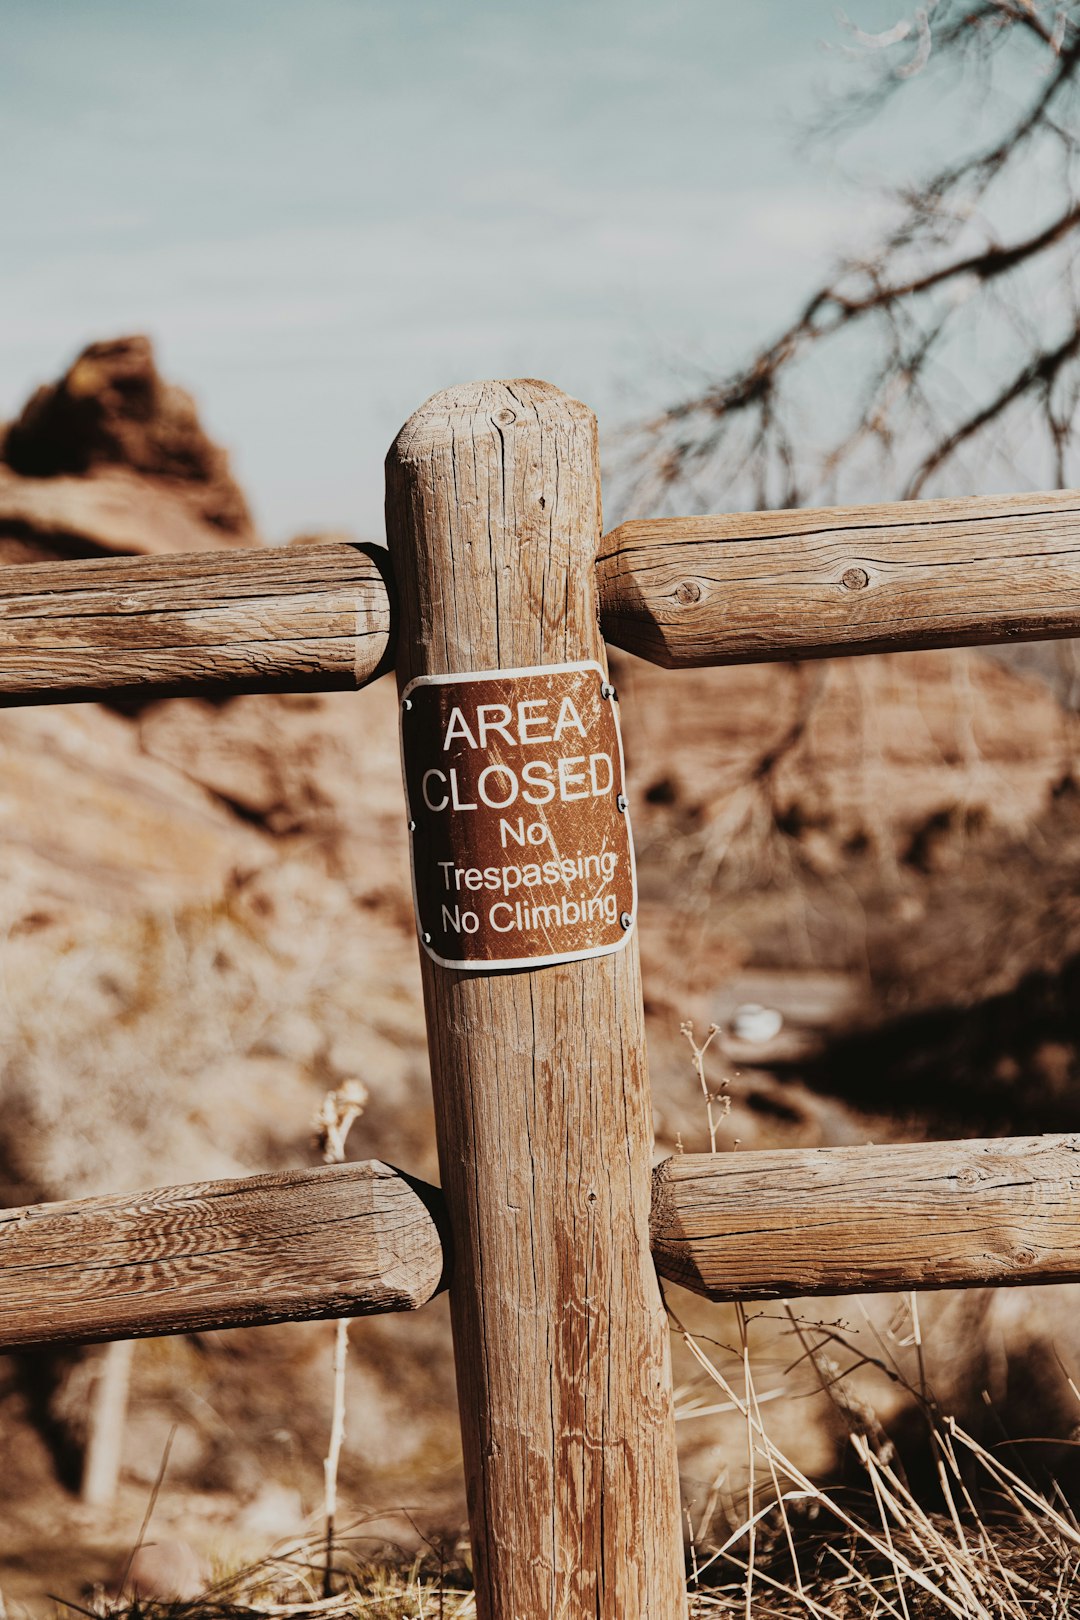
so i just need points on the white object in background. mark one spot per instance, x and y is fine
(106, 1422)
(755, 1023)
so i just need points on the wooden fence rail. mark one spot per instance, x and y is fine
(356, 1239)
(760, 586)
(347, 1240)
(789, 1224)
(295, 619)
(742, 588)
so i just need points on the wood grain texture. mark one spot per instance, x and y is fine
(541, 1089)
(301, 618)
(791, 1223)
(759, 586)
(349, 1240)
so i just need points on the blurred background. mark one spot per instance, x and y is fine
(791, 257)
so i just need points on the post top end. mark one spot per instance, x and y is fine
(496, 403)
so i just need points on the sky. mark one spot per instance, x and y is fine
(324, 211)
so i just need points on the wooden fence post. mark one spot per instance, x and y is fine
(540, 1079)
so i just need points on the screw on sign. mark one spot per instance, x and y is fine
(521, 850)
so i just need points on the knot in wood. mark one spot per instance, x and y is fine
(505, 417)
(689, 591)
(855, 579)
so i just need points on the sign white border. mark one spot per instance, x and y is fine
(504, 964)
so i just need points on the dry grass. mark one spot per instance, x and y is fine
(991, 1546)
(985, 1541)
(434, 1584)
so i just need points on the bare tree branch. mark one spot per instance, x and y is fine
(933, 340)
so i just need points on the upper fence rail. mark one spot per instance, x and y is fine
(758, 586)
(680, 592)
(296, 619)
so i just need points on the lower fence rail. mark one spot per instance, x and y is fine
(864, 1220)
(363, 1239)
(347, 1240)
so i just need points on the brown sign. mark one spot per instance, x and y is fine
(521, 849)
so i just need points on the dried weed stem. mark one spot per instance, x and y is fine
(717, 1103)
(336, 1116)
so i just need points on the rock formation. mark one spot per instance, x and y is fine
(110, 458)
